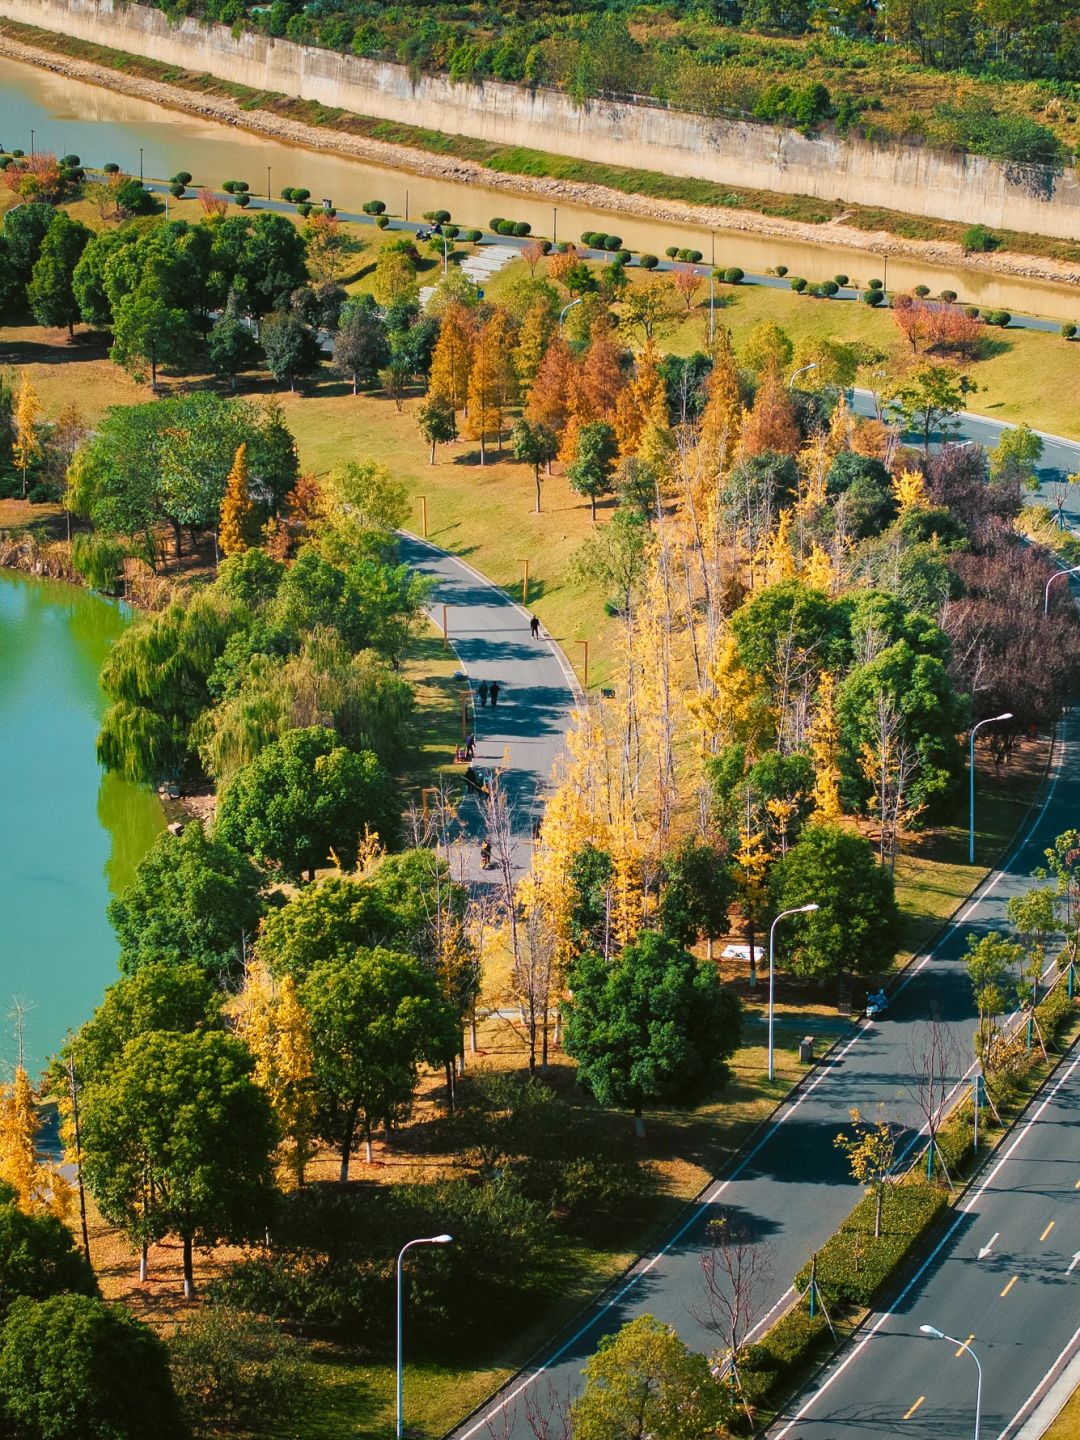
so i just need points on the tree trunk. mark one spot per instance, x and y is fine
(537, 477)
(592, 502)
(178, 539)
(750, 937)
(354, 382)
(877, 1212)
(143, 1265)
(153, 373)
(432, 460)
(639, 1123)
(346, 1149)
(189, 1273)
(483, 452)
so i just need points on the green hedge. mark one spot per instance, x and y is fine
(852, 1266)
(776, 1358)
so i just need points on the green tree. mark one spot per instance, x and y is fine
(616, 558)
(593, 465)
(50, 292)
(857, 926)
(1016, 455)
(177, 1139)
(534, 445)
(361, 347)
(653, 1024)
(871, 1152)
(696, 892)
(270, 259)
(928, 398)
(191, 900)
(303, 796)
(292, 348)
(148, 332)
(644, 1381)
(232, 348)
(38, 1257)
(25, 228)
(73, 1368)
(437, 420)
(374, 1016)
(993, 965)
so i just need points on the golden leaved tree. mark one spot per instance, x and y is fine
(27, 443)
(237, 524)
(825, 748)
(38, 1185)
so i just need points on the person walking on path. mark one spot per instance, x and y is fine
(534, 628)
(494, 692)
(483, 693)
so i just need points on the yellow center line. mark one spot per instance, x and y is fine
(966, 1343)
(1077, 1185)
(914, 1407)
(1047, 1230)
(1009, 1286)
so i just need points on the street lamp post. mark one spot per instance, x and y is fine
(936, 1334)
(428, 1240)
(991, 720)
(798, 910)
(801, 371)
(140, 164)
(565, 308)
(1072, 570)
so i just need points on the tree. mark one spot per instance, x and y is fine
(50, 292)
(871, 1152)
(25, 228)
(27, 446)
(177, 1140)
(1016, 455)
(650, 311)
(533, 337)
(771, 423)
(490, 380)
(38, 1257)
(303, 796)
(192, 901)
(928, 398)
(232, 347)
(36, 1183)
(325, 246)
(654, 1024)
(856, 927)
(394, 281)
(148, 332)
(687, 282)
(437, 420)
(993, 965)
(696, 893)
(767, 347)
(374, 1016)
(591, 470)
(361, 347)
(451, 361)
(643, 1381)
(535, 445)
(270, 261)
(292, 348)
(735, 1272)
(616, 558)
(72, 1367)
(237, 530)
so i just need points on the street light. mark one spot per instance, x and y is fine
(1072, 570)
(801, 371)
(992, 720)
(140, 164)
(428, 1240)
(565, 308)
(936, 1334)
(799, 910)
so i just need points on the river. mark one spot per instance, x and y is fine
(70, 836)
(55, 113)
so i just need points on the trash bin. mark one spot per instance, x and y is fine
(806, 1049)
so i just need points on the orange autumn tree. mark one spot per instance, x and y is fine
(487, 382)
(644, 399)
(551, 396)
(237, 524)
(771, 423)
(451, 361)
(532, 342)
(722, 417)
(602, 377)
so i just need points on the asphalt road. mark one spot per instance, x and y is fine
(525, 732)
(1017, 1306)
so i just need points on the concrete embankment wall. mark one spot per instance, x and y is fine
(733, 153)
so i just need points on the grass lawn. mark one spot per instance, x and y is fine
(1067, 1425)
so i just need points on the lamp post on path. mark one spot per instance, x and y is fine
(992, 720)
(1072, 570)
(798, 910)
(936, 1334)
(429, 1240)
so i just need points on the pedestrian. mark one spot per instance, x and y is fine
(537, 826)
(485, 854)
(534, 628)
(483, 693)
(470, 746)
(494, 693)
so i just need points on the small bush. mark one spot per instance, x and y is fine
(949, 296)
(177, 191)
(694, 257)
(828, 288)
(100, 562)
(437, 217)
(545, 246)
(494, 223)
(875, 285)
(382, 222)
(648, 262)
(243, 199)
(451, 231)
(109, 169)
(562, 247)
(781, 270)
(1068, 331)
(998, 317)
(623, 257)
(473, 236)
(522, 228)
(289, 195)
(303, 209)
(506, 227)
(841, 280)
(374, 207)
(798, 284)
(978, 240)
(922, 291)
(301, 195)
(672, 252)
(783, 1349)
(734, 276)
(235, 187)
(71, 161)
(588, 238)
(873, 297)
(1052, 1012)
(182, 177)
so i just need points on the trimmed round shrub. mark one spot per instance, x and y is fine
(288, 195)
(374, 207)
(495, 222)
(71, 173)
(590, 239)
(694, 257)
(473, 236)
(545, 246)
(734, 276)
(382, 221)
(182, 177)
(972, 312)
(18, 155)
(330, 210)
(5, 161)
(110, 169)
(949, 296)
(522, 228)
(301, 195)
(875, 285)
(177, 190)
(562, 247)
(243, 199)
(781, 270)
(828, 288)
(672, 252)
(71, 161)
(922, 291)
(612, 243)
(1068, 332)
(451, 231)
(798, 284)
(623, 256)
(841, 280)
(437, 217)
(303, 208)
(999, 317)
(873, 297)
(648, 262)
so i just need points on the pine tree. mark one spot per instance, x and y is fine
(27, 447)
(644, 399)
(722, 418)
(602, 375)
(451, 361)
(487, 386)
(551, 396)
(825, 748)
(771, 424)
(532, 342)
(237, 508)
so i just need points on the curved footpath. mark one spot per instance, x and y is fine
(793, 1186)
(538, 692)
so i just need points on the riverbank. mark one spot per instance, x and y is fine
(551, 178)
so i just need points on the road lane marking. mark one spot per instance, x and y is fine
(1073, 1263)
(965, 1209)
(1046, 1232)
(1009, 1286)
(984, 1250)
(914, 1407)
(965, 1345)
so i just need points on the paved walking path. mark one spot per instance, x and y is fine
(538, 693)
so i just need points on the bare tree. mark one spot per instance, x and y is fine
(935, 1058)
(547, 1416)
(533, 977)
(498, 815)
(736, 1270)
